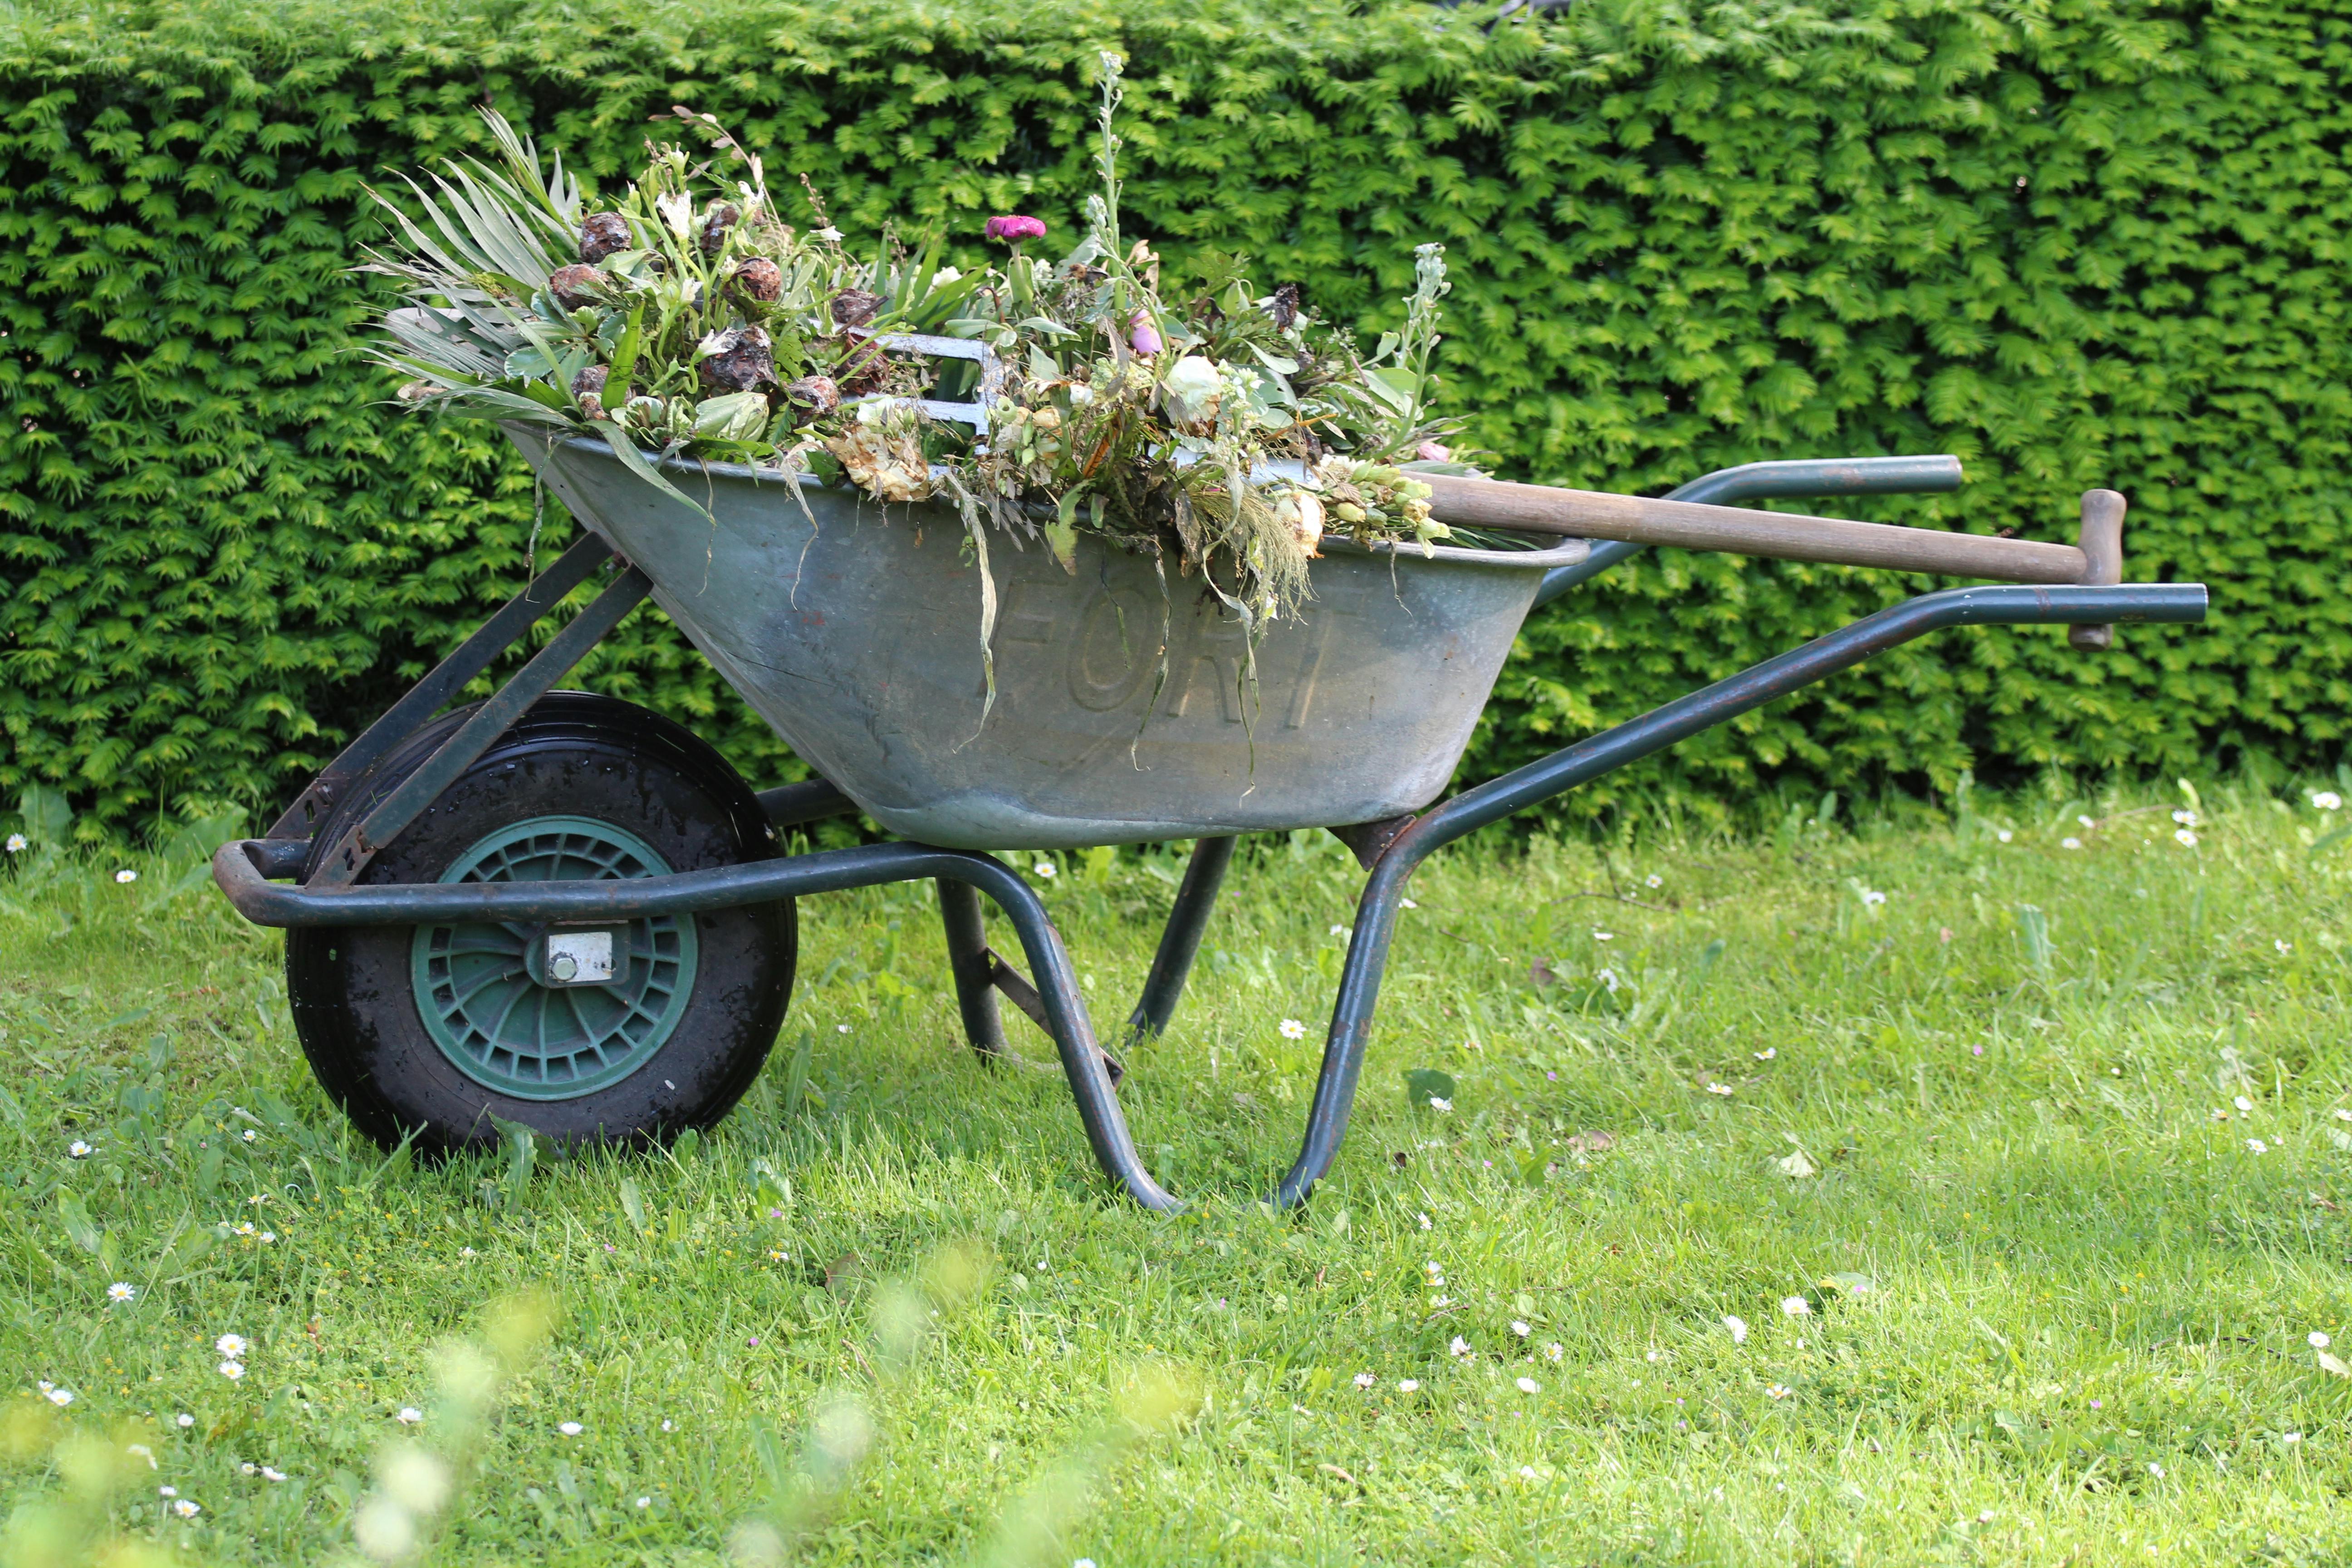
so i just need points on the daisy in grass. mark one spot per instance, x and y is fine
(1529, 1386)
(1292, 1029)
(122, 1291)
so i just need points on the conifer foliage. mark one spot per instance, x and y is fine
(2085, 242)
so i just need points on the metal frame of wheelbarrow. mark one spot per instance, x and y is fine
(1391, 851)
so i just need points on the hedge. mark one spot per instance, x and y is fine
(2078, 242)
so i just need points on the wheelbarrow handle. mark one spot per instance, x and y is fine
(1785, 536)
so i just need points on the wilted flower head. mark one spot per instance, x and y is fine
(1014, 228)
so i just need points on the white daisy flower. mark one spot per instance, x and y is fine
(15, 843)
(2156, 1470)
(1409, 1385)
(1520, 1328)
(1872, 896)
(1795, 1306)
(122, 1291)
(2069, 843)
(78, 1149)
(1527, 1472)
(1365, 1380)
(2243, 1103)
(1738, 1329)
(184, 1419)
(1777, 1390)
(1653, 880)
(1605, 936)
(60, 1397)
(269, 1475)
(1768, 1053)
(2186, 818)
(1608, 981)
(1718, 1089)
(1045, 868)
(1439, 1103)
(408, 1416)
(231, 1345)
(126, 876)
(1554, 1350)
(1408, 903)
(2257, 1146)
(251, 1136)
(2326, 800)
(185, 1509)
(1338, 931)
(1424, 1220)
(2185, 839)
(142, 1451)
(1460, 1347)
(167, 1491)
(569, 1428)
(2290, 1437)
(2003, 834)
(1292, 1029)
(232, 1370)
(645, 1502)
(1529, 1386)
(2087, 822)
(2317, 1340)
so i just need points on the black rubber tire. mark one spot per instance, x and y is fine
(577, 755)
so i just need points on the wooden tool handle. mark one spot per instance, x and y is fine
(2102, 557)
(1784, 536)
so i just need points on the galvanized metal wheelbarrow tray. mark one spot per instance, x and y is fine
(857, 639)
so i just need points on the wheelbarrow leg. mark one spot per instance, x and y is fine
(970, 961)
(980, 976)
(1180, 943)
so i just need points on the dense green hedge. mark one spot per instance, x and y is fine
(2078, 242)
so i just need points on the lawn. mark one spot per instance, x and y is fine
(1922, 1189)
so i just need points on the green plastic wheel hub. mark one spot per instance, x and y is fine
(500, 1026)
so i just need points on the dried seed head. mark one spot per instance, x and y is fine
(602, 234)
(814, 395)
(716, 224)
(1285, 306)
(758, 279)
(575, 285)
(588, 387)
(855, 307)
(743, 364)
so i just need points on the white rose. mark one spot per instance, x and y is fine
(1191, 389)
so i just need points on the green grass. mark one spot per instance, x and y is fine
(888, 1313)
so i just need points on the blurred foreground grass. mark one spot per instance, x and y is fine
(1926, 1193)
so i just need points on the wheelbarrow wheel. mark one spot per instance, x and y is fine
(437, 1032)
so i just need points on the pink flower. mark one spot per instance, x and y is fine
(1015, 228)
(1434, 452)
(1144, 335)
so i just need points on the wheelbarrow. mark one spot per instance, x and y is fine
(562, 910)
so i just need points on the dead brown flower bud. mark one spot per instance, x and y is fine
(746, 362)
(855, 307)
(1285, 306)
(721, 220)
(814, 395)
(602, 235)
(588, 387)
(758, 279)
(575, 285)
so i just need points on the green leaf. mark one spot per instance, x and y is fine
(633, 1204)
